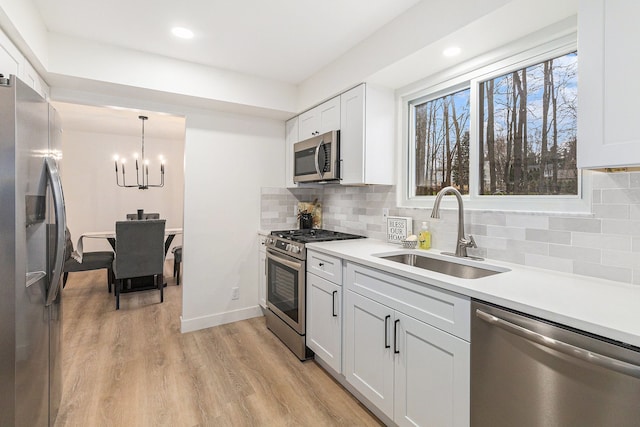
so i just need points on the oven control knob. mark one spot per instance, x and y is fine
(295, 249)
(288, 247)
(269, 240)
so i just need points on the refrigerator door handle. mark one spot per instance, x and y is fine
(58, 202)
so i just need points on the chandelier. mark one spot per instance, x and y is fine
(142, 170)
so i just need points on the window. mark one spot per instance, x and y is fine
(527, 130)
(442, 143)
(504, 135)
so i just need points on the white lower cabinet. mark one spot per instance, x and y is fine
(324, 320)
(431, 376)
(368, 350)
(415, 373)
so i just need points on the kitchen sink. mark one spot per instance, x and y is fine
(457, 267)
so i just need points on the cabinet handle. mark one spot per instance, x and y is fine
(333, 308)
(386, 331)
(321, 264)
(395, 336)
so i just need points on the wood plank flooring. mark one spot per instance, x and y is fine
(133, 367)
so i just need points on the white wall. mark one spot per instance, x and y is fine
(229, 158)
(93, 200)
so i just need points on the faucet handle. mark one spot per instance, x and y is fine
(469, 243)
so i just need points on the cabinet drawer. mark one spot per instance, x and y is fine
(442, 309)
(326, 266)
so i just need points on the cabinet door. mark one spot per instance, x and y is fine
(608, 66)
(329, 115)
(262, 273)
(323, 118)
(324, 320)
(352, 135)
(369, 350)
(291, 137)
(431, 376)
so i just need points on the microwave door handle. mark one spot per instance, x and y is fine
(316, 158)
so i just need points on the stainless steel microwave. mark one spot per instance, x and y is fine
(317, 158)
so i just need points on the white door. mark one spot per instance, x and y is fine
(324, 322)
(431, 376)
(369, 350)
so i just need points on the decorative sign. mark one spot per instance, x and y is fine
(398, 228)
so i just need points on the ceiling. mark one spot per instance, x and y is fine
(283, 40)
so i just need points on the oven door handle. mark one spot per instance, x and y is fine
(292, 264)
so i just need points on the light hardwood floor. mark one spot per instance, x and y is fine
(133, 367)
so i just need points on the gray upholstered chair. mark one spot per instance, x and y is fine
(177, 260)
(90, 261)
(139, 253)
(134, 216)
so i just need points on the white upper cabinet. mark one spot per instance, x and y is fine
(291, 137)
(323, 118)
(13, 62)
(609, 63)
(366, 136)
(10, 57)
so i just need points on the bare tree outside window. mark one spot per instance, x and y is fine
(527, 130)
(442, 144)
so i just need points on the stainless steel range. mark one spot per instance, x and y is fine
(286, 283)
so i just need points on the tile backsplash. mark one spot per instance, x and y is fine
(605, 244)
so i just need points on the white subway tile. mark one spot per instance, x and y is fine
(610, 180)
(527, 221)
(603, 272)
(548, 263)
(506, 232)
(550, 236)
(611, 211)
(602, 241)
(504, 255)
(575, 253)
(527, 247)
(575, 224)
(620, 258)
(621, 196)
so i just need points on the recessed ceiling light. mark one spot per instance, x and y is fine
(183, 33)
(451, 51)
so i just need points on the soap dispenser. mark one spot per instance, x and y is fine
(424, 239)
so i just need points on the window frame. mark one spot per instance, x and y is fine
(471, 74)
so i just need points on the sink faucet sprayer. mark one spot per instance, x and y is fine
(462, 243)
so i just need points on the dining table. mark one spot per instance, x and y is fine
(110, 236)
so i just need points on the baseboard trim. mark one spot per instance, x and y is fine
(209, 321)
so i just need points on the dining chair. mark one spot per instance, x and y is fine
(139, 253)
(90, 261)
(177, 260)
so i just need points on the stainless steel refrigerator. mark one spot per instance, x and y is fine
(32, 226)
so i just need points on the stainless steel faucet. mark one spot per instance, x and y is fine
(462, 242)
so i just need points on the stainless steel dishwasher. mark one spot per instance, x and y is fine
(531, 372)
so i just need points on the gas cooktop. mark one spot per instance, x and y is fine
(313, 235)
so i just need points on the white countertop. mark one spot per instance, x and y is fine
(602, 307)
